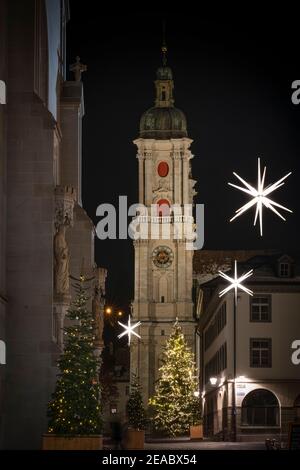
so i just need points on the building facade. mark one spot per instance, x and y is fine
(264, 395)
(163, 264)
(45, 234)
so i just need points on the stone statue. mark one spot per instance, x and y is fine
(61, 262)
(192, 191)
(163, 186)
(77, 69)
(97, 309)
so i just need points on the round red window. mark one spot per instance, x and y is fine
(163, 169)
(163, 207)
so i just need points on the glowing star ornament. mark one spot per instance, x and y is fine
(235, 282)
(128, 330)
(259, 197)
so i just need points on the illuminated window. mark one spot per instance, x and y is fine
(163, 208)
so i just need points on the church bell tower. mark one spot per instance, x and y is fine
(163, 262)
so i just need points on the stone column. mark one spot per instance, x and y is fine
(141, 179)
(181, 271)
(148, 178)
(185, 179)
(177, 178)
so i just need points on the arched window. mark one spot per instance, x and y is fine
(163, 208)
(260, 408)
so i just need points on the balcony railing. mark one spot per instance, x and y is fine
(186, 219)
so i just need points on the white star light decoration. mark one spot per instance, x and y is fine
(259, 197)
(235, 282)
(128, 330)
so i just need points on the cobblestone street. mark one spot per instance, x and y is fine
(170, 444)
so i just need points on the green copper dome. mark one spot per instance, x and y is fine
(163, 123)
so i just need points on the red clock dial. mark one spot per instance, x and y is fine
(163, 169)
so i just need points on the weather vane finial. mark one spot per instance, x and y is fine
(164, 48)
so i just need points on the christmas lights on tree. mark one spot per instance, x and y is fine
(173, 404)
(75, 405)
(135, 408)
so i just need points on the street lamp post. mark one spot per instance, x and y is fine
(235, 283)
(234, 370)
(112, 316)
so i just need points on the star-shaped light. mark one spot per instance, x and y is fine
(128, 329)
(259, 196)
(235, 282)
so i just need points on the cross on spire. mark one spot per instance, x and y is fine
(164, 48)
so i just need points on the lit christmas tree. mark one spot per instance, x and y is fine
(173, 403)
(135, 407)
(75, 405)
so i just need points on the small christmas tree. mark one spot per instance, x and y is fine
(135, 408)
(174, 399)
(196, 411)
(75, 405)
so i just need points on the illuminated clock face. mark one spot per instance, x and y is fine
(162, 256)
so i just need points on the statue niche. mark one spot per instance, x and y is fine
(61, 262)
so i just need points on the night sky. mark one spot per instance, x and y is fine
(232, 80)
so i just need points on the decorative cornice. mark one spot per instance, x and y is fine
(148, 155)
(176, 154)
(141, 241)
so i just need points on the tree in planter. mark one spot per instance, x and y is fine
(174, 398)
(75, 405)
(135, 407)
(196, 411)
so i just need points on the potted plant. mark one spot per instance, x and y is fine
(196, 426)
(136, 414)
(74, 413)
